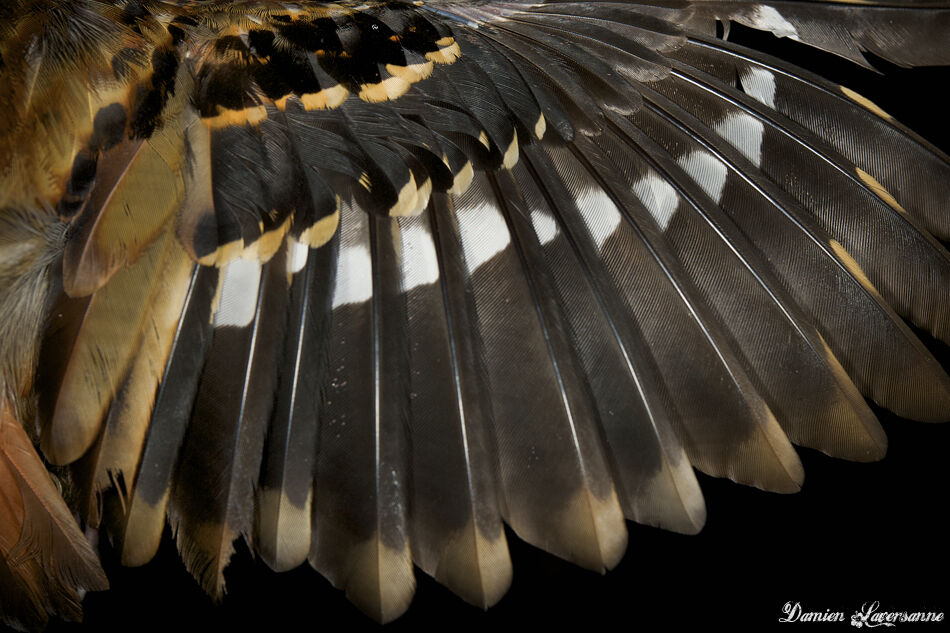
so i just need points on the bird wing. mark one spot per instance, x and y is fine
(363, 283)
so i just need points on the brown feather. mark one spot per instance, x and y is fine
(58, 72)
(116, 456)
(107, 342)
(139, 188)
(46, 563)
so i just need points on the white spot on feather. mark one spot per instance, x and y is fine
(544, 225)
(767, 18)
(708, 171)
(420, 262)
(354, 280)
(744, 132)
(600, 214)
(299, 252)
(759, 84)
(484, 233)
(659, 197)
(242, 280)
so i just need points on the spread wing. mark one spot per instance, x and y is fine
(362, 284)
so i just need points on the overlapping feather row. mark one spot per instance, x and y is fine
(369, 336)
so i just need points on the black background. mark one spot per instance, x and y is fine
(856, 532)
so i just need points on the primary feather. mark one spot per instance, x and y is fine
(361, 283)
